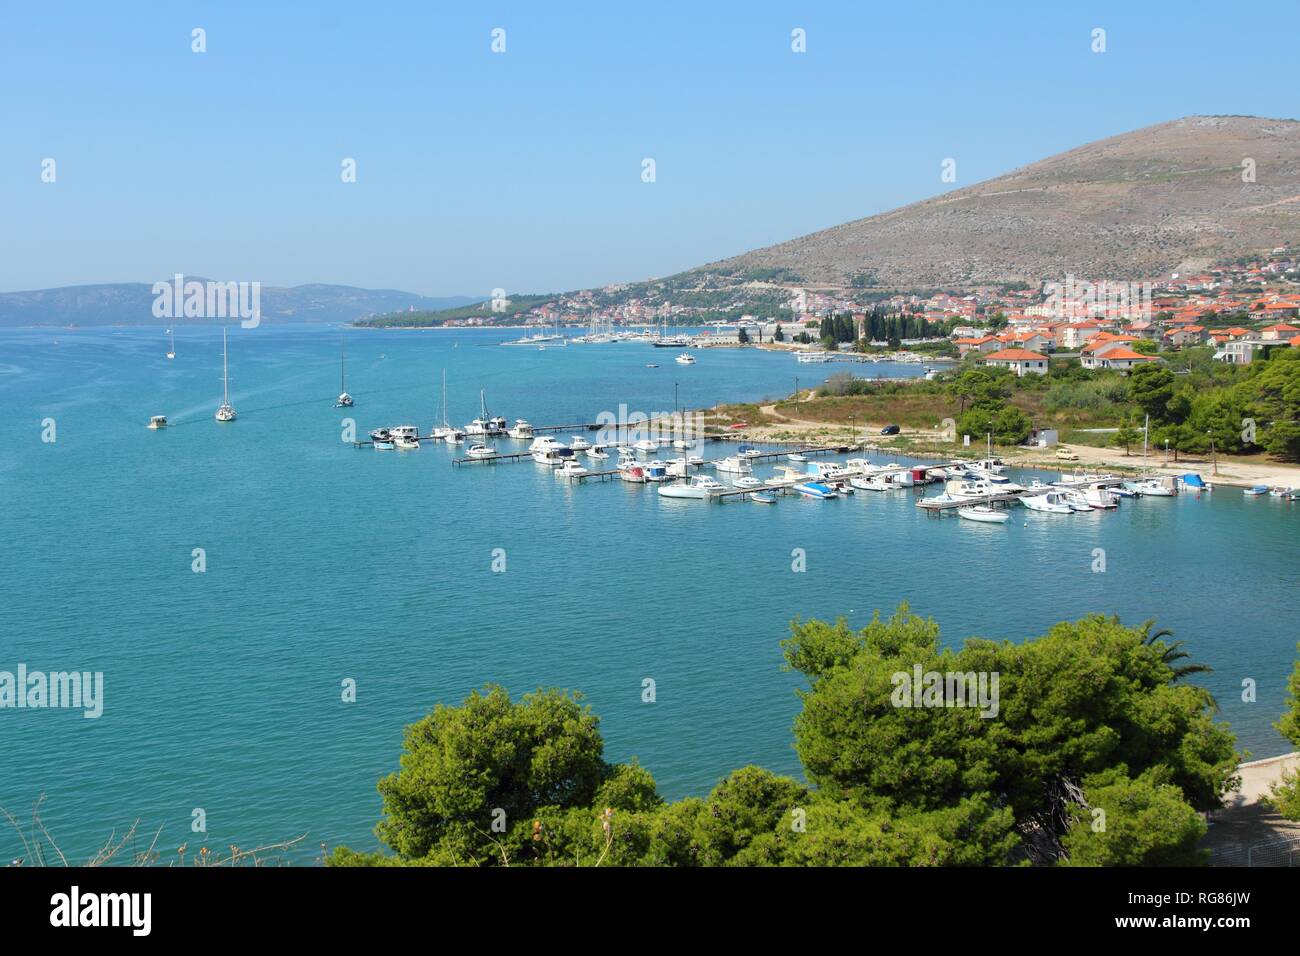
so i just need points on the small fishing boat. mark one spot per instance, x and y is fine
(629, 469)
(157, 421)
(656, 471)
(382, 440)
(1256, 490)
(983, 513)
(763, 498)
(747, 481)
(796, 457)
(646, 444)
(597, 452)
(570, 469)
(815, 489)
(686, 358)
(1049, 502)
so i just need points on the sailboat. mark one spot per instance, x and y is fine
(479, 449)
(446, 431)
(171, 344)
(344, 400)
(226, 411)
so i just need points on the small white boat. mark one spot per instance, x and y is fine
(983, 513)
(344, 400)
(520, 430)
(796, 457)
(1281, 492)
(171, 346)
(547, 451)
(749, 451)
(735, 465)
(763, 498)
(597, 452)
(405, 437)
(686, 358)
(1156, 488)
(1049, 502)
(656, 471)
(646, 444)
(747, 481)
(570, 469)
(701, 486)
(479, 450)
(382, 440)
(157, 421)
(1257, 490)
(1099, 497)
(578, 443)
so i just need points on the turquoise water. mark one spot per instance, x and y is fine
(325, 562)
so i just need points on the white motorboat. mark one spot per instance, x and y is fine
(871, 483)
(1075, 500)
(796, 457)
(656, 471)
(157, 421)
(1049, 502)
(571, 468)
(382, 440)
(1156, 487)
(478, 427)
(406, 443)
(701, 486)
(686, 358)
(548, 451)
(1099, 497)
(749, 451)
(682, 444)
(578, 443)
(646, 444)
(225, 411)
(747, 481)
(1255, 491)
(983, 513)
(520, 430)
(479, 450)
(597, 452)
(735, 465)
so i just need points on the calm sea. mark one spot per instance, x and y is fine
(325, 562)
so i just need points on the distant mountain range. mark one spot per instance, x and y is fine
(1166, 198)
(131, 303)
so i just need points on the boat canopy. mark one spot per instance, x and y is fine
(1193, 480)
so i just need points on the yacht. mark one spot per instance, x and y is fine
(406, 443)
(1156, 487)
(646, 444)
(1099, 497)
(479, 450)
(453, 436)
(547, 451)
(578, 443)
(983, 513)
(701, 486)
(344, 400)
(686, 358)
(597, 452)
(747, 481)
(157, 421)
(871, 483)
(225, 411)
(520, 430)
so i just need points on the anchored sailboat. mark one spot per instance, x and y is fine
(171, 344)
(226, 411)
(344, 400)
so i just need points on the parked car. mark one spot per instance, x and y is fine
(890, 430)
(1066, 455)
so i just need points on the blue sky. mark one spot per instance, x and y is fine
(522, 170)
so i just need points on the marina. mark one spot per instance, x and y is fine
(294, 499)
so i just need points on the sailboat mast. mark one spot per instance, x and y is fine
(225, 377)
(342, 360)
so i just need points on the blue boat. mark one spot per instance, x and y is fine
(815, 489)
(1193, 480)
(1257, 490)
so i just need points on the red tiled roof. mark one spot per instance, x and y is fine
(1014, 355)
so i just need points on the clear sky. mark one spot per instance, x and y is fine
(522, 170)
